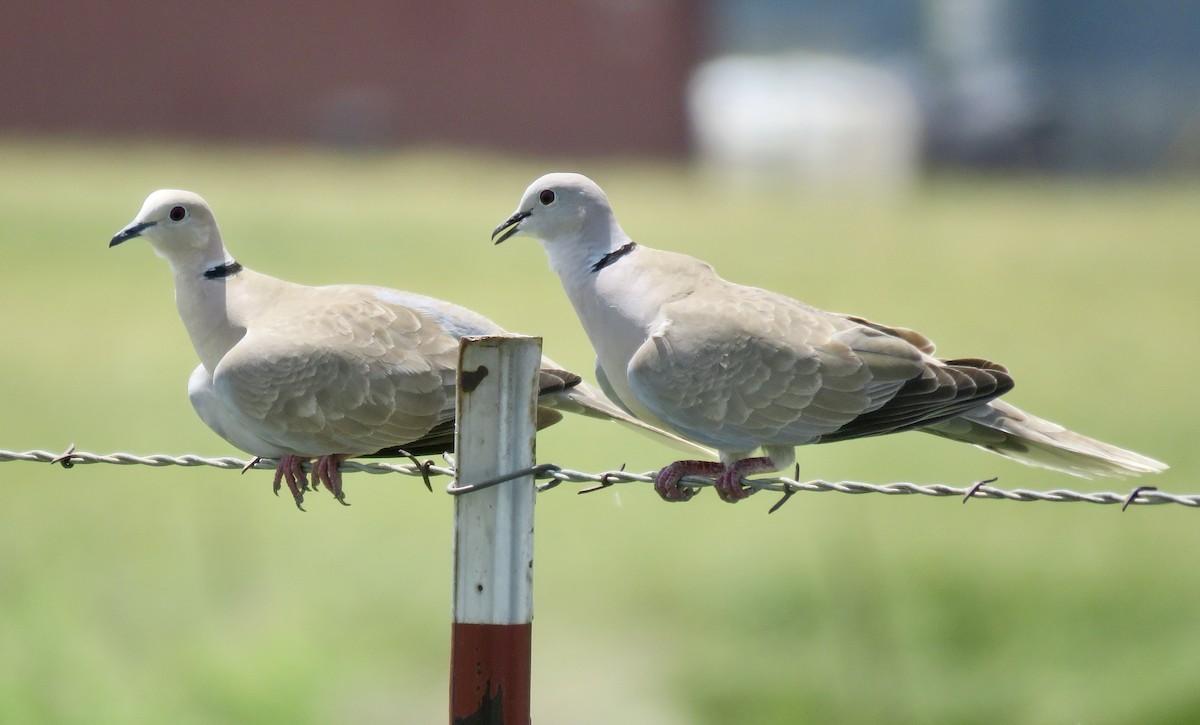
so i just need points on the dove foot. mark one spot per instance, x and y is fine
(325, 471)
(731, 486)
(666, 483)
(291, 470)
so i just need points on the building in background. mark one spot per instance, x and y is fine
(572, 76)
(1063, 85)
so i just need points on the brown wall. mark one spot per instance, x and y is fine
(575, 76)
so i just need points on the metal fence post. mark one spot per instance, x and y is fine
(493, 531)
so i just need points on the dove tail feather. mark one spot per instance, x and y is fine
(1011, 432)
(583, 399)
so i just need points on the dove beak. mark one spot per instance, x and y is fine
(129, 232)
(510, 226)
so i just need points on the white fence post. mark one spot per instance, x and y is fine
(493, 531)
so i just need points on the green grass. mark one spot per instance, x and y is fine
(138, 595)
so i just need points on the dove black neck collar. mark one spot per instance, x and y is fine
(613, 256)
(221, 271)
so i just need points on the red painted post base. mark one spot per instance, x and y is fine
(489, 674)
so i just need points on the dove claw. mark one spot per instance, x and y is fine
(666, 482)
(731, 484)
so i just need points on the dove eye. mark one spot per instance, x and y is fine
(177, 213)
(546, 197)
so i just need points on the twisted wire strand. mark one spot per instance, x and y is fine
(553, 475)
(71, 458)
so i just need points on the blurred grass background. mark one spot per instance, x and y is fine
(138, 595)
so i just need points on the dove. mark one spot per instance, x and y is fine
(297, 373)
(746, 370)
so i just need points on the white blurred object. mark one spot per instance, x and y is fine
(811, 119)
(982, 105)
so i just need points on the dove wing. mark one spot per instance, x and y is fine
(337, 369)
(738, 367)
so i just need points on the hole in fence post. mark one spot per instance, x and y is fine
(493, 531)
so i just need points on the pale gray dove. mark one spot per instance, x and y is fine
(743, 369)
(298, 373)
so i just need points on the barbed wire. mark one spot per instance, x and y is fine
(553, 475)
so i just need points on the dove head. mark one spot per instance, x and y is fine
(564, 210)
(181, 228)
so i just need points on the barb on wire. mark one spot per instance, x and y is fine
(423, 467)
(605, 481)
(1134, 494)
(65, 457)
(786, 494)
(977, 488)
(553, 475)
